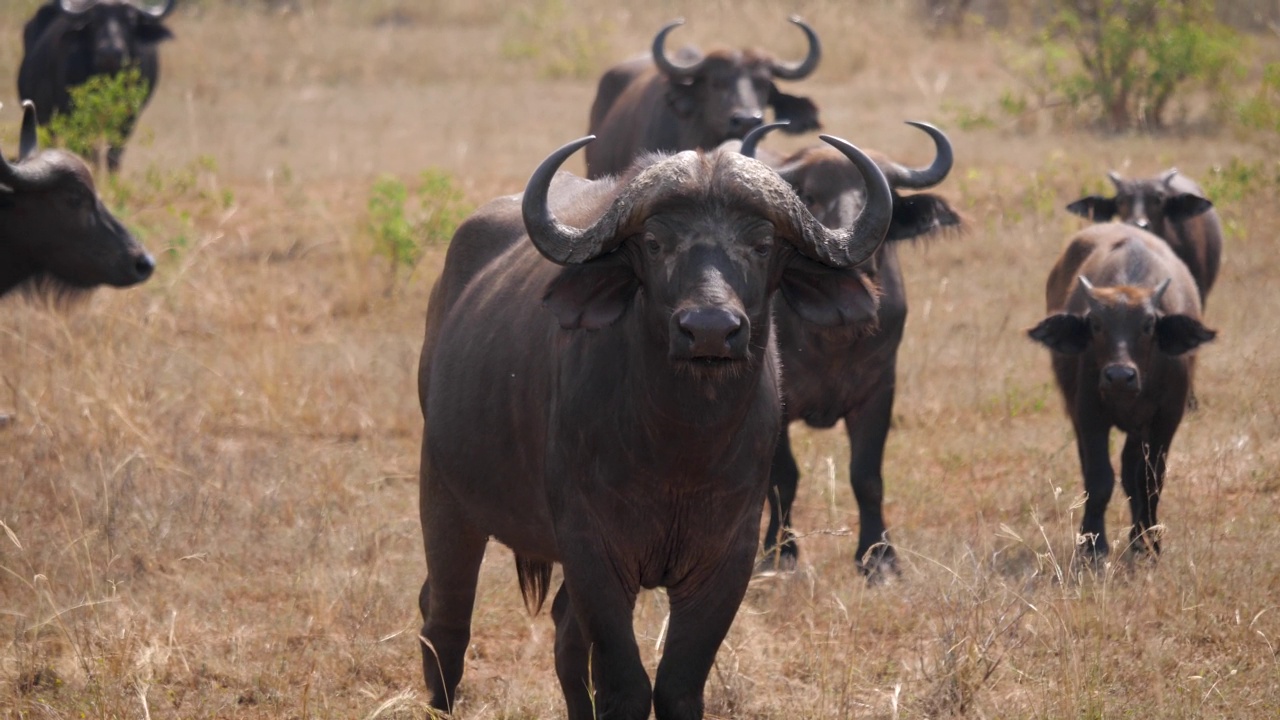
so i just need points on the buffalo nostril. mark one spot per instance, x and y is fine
(1120, 374)
(144, 266)
(711, 332)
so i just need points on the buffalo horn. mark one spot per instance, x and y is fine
(1094, 304)
(753, 138)
(668, 68)
(920, 178)
(557, 242)
(802, 69)
(1158, 295)
(1115, 179)
(153, 11)
(1167, 176)
(28, 142)
(847, 247)
(75, 7)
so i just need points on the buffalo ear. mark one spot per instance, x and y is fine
(827, 296)
(800, 111)
(920, 214)
(1062, 333)
(1184, 206)
(1094, 207)
(152, 33)
(592, 295)
(36, 26)
(1177, 334)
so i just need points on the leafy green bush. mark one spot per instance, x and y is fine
(104, 108)
(402, 223)
(1122, 62)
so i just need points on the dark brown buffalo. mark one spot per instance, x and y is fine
(850, 371)
(69, 41)
(1124, 316)
(1172, 206)
(55, 234)
(607, 399)
(656, 104)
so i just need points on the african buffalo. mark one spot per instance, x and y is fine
(653, 103)
(55, 234)
(849, 372)
(607, 399)
(69, 41)
(1172, 206)
(1124, 318)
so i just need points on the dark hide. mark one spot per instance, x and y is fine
(1121, 354)
(56, 237)
(63, 50)
(638, 108)
(578, 414)
(1171, 206)
(849, 373)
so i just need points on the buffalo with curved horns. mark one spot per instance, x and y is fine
(1171, 206)
(657, 103)
(1124, 318)
(607, 398)
(69, 41)
(849, 372)
(55, 234)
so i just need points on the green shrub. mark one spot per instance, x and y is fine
(1121, 63)
(103, 110)
(402, 223)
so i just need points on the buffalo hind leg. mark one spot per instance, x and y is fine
(868, 429)
(780, 549)
(454, 551)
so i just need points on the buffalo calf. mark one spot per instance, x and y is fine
(55, 234)
(1124, 320)
(607, 398)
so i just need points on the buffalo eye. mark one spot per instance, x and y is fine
(763, 249)
(1095, 325)
(652, 246)
(1148, 326)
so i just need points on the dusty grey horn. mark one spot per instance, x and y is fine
(802, 69)
(664, 63)
(560, 243)
(753, 138)
(17, 176)
(847, 247)
(28, 141)
(155, 12)
(921, 178)
(75, 7)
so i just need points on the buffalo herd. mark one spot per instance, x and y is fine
(611, 362)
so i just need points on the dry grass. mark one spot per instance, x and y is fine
(208, 490)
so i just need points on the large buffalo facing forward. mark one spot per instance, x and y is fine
(1124, 318)
(656, 104)
(850, 372)
(69, 41)
(607, 398)
(1173, 207)
(55, 234)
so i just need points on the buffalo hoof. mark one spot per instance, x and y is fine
(1091, 555)
(778, 560)
(879, 565)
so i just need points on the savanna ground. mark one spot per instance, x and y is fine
(207, 483)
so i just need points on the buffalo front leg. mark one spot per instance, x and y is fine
(780, 549)
(1142, 469)
(602, 604)
(572, 658)
(1092, 443)
(454, 551)
(700, 618)
(868, 429)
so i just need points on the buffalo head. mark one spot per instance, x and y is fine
(1123, 328)
(725, 92)
(698, 242)
(112, 33)
(1148, 203)
(54, 230)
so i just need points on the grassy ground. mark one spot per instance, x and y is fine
(207, 486)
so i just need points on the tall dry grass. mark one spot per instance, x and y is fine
(207, 486)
